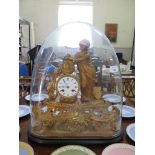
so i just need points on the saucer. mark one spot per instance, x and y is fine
(130, 130)
(128, 112)
(36, 97)
(73, 150)
(119, 149)
(24, 110)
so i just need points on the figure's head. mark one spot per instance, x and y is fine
(84, 44)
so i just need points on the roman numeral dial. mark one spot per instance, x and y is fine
(68, 86)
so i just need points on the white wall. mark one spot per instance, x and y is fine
(121, 12)
(44, 14)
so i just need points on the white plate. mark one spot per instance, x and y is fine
(37, 97)
(27, 97)
(113, 98)
(128, 112)
(130, 130)
(73, 150)
(23, 110)
(25, 149)
(119, 149)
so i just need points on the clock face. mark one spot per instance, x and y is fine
(68, 86)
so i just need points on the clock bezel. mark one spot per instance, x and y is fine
(72, 76)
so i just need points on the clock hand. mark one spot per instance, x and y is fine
(73, 90)
(62, 90)
(65, 83)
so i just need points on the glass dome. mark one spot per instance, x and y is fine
(76, 90)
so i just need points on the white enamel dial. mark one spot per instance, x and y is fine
(68, 86)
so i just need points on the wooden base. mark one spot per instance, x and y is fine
(76, 140)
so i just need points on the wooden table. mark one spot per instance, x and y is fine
(42, 149)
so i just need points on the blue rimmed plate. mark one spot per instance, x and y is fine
(128, 112)
(73, 150)
(113, 98)
(130, 130)
(25, 149)
(36, 97)
(24, 110)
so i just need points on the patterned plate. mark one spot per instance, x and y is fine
(113, 98)
(73, 150)
(36, 97)
(24, 110)
(130, 130)
(119, 149)
(128, 112)
(25, 149)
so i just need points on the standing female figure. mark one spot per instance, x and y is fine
(87, 71)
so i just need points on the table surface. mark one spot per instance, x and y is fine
(47, 149)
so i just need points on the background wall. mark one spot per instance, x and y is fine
(44, 15)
